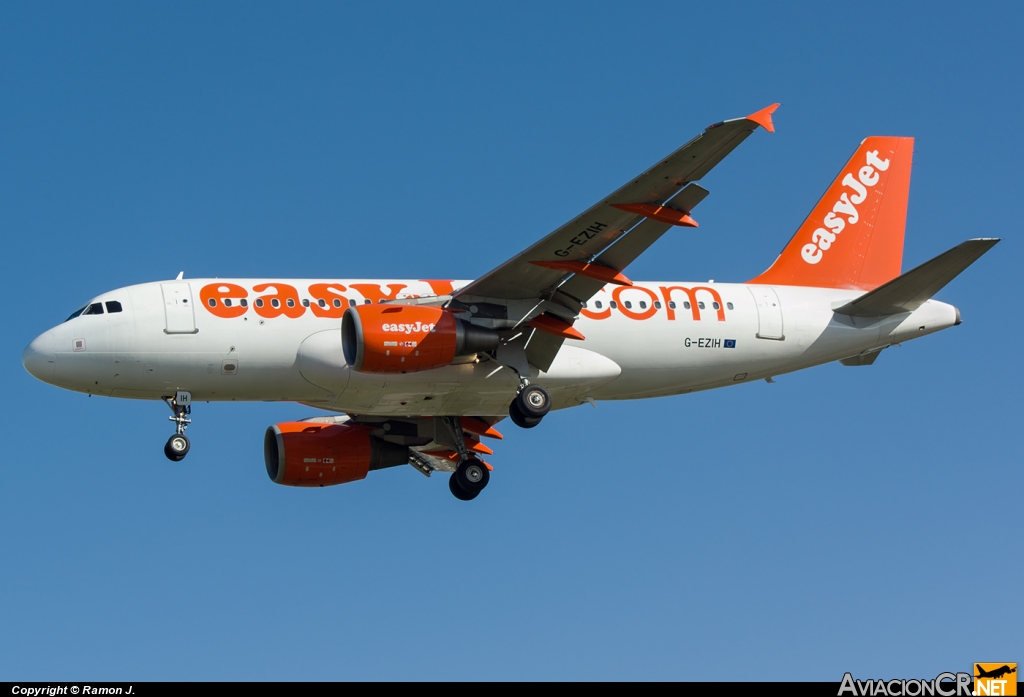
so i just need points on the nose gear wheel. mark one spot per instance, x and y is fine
(178, 445)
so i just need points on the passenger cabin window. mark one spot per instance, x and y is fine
(212, 302)
(597, 304)
(94, 309)
(700, 305)
(275, 302)
(259, 302)
(291, 302)
(227, 302)
(245, 303)
(628, 305)
(643, 305)
(323, 303)
(716, 306)
(686, 305)
(113, 306)
(657, 305)
(672, 305)
(729, 305)
(351, 302)
(613, 304)
(305, 302)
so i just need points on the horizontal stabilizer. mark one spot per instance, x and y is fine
(908, 292)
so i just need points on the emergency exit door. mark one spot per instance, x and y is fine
(178, 308)
(769, 313)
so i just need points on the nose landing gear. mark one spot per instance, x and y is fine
(177, 446)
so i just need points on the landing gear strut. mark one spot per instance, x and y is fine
(177, 446)
(530, 405)
(472, 475)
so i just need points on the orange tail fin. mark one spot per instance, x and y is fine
(854, 236)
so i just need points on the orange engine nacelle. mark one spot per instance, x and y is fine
(408, 338)
(316, 454)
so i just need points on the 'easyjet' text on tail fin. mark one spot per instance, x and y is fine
(853, 237)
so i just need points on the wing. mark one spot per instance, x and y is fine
(545, 286)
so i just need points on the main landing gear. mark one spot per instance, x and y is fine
(472, 475)
(531, 404)
(469, 479)
(177, 446)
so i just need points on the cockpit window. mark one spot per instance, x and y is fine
(113, 306)
(76, 313)
(93, 309)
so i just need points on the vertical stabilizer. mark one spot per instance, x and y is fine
(853, 237)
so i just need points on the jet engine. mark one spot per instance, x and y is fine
(408, 338)
(317, 454)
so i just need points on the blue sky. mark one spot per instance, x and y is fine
(857, 519)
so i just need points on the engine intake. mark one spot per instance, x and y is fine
(408, 338)
(311, 454)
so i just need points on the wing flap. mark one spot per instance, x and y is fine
(633, 244)
(542, 349)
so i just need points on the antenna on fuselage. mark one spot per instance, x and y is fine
(181, 275)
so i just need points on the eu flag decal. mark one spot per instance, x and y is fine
(730, 343)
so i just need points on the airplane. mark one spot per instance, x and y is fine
(419, 371)
(995, 673)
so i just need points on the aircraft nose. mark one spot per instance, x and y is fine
(39, 358)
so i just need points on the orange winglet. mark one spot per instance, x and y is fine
(662, 214)
(553, 325)
(763, 118)
(479, 427)
(598, 272)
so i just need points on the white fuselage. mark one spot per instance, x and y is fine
(655, 341)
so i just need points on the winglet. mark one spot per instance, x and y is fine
(763, 118)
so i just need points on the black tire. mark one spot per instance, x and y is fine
(460, 493)
(519, 419)
(534, 401)
(472, 476)
(177, 447)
